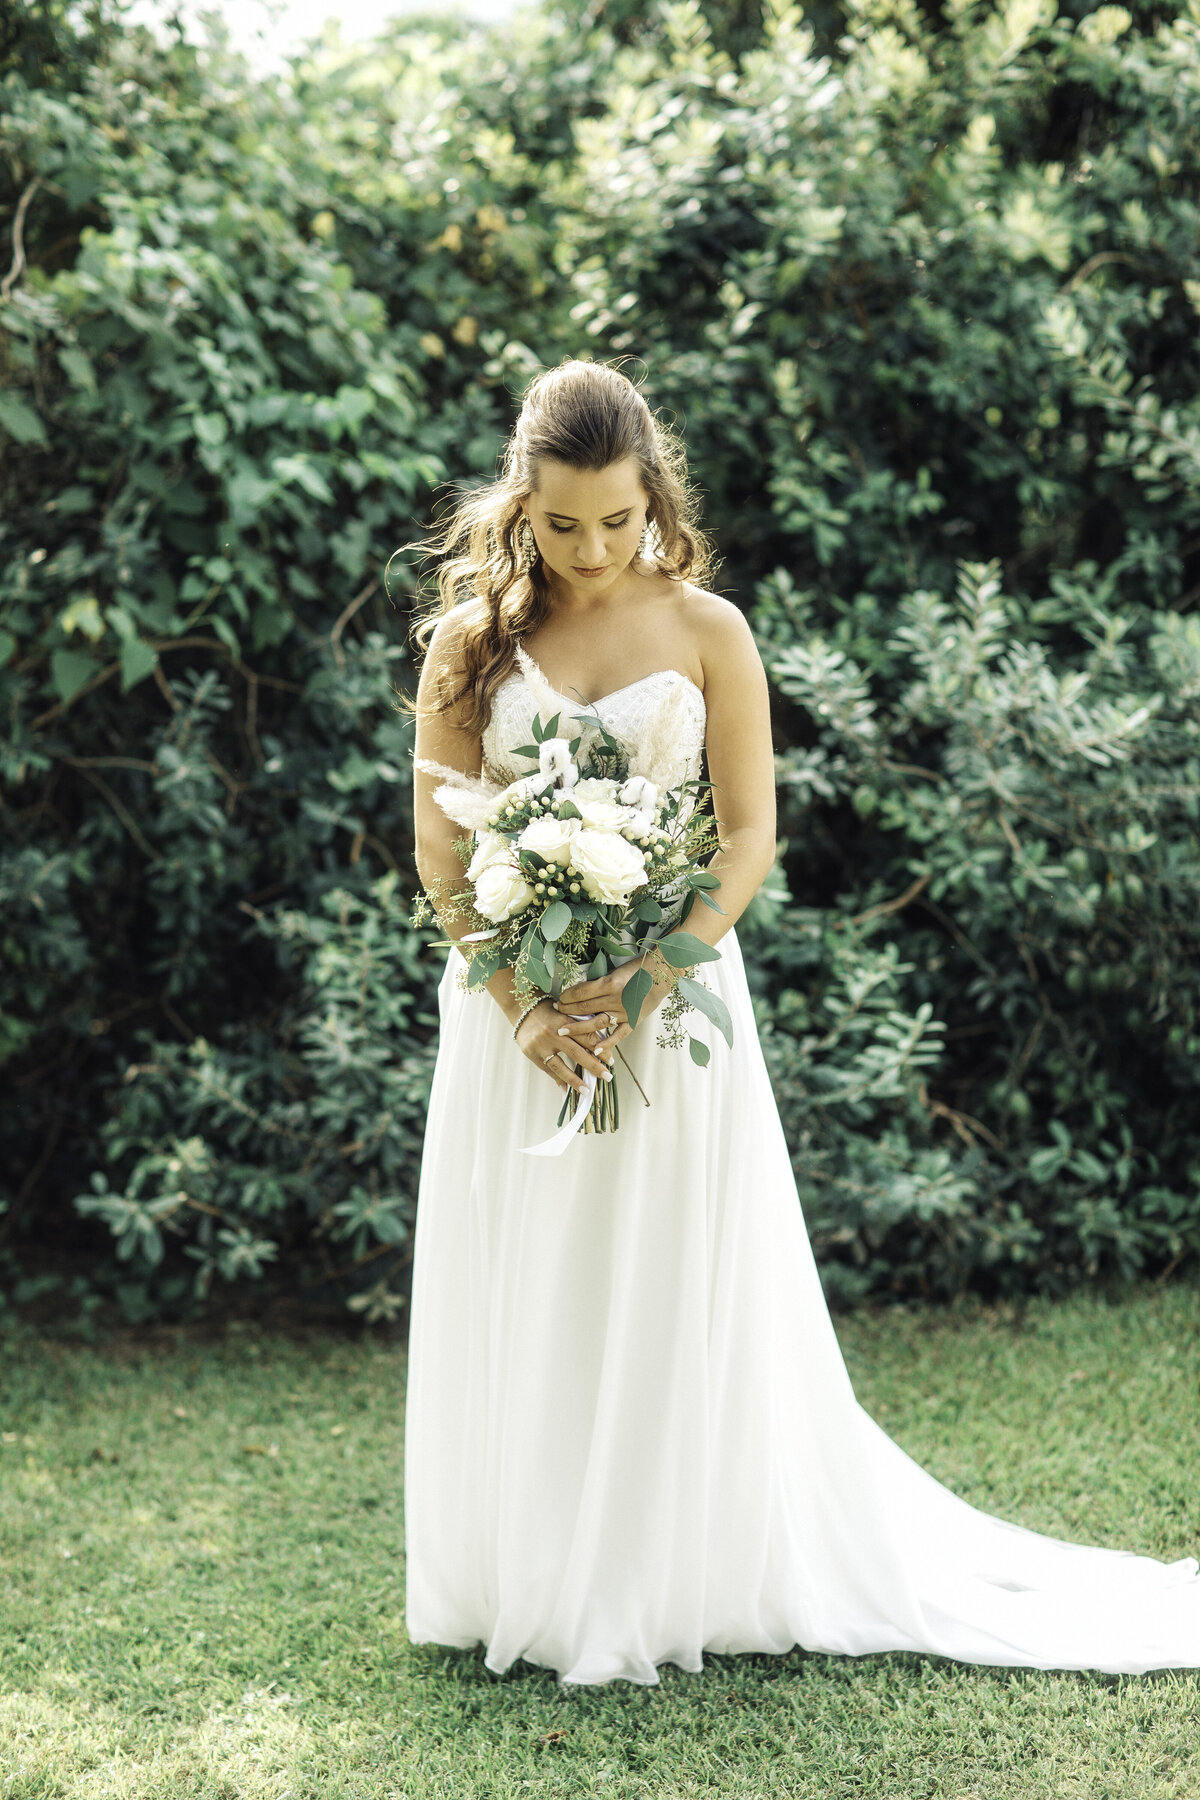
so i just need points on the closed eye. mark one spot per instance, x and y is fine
(613, 524)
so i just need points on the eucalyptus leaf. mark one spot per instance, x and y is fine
(681, 950)
(555, 920)
(710, 1004)
(635, 992)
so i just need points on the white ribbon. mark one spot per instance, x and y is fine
(556, 1144)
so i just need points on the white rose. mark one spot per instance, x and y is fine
(602, 815)
(502, 891)
(489, 845)
(551, 838)
(594, 787)
(609, 866)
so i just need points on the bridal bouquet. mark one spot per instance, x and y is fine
(576, 868)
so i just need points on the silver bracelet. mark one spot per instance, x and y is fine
(528, 1010)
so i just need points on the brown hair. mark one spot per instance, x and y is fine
(587, 415)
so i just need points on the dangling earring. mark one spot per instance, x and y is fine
(528, 544)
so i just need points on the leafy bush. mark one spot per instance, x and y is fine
(921, 290)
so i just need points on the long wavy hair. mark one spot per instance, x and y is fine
(587, 415)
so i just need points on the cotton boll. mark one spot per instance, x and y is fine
(640, 793)
(554, 762)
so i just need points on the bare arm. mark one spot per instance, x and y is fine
(741, 767)
(443, 737)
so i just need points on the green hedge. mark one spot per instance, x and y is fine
(921, 291)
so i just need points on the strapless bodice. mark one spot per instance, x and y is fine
(660, 720)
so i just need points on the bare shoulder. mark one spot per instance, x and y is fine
(722, 635)
(446, 639)
(443, 653)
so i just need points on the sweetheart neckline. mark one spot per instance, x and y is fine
(612, 695)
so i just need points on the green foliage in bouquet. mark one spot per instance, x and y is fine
(539, 905)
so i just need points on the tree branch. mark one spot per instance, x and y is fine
(18, 239)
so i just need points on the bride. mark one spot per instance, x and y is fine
(630, 1433)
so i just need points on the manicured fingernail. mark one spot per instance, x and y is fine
(564, 1031)
(606, 1075)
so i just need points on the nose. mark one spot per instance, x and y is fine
(591, 550)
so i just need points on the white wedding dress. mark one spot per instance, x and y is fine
(631, 1436)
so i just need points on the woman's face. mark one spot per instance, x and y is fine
(587, 522)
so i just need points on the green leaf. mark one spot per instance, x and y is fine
(635, 993)
(555, 920)
(527, 750)
(566, 809)
(8, 644)
(211, 428)
(137, 660)
(681, 949)
(699, 1052)
(597, 967)
(710, 1004)
(713, 905)
(701, 878)
(69, 669)
(648, 909)
(299, 470)
(71, 500)
(21, 422)
(536, 966)
(78, 368)
(228, 636)
(83, 615)
(482, 968)
(247, 493)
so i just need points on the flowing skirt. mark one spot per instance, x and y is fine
(631, 1436)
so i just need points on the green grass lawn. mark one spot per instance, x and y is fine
(203, 1584)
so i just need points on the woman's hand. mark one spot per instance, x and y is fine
(604, 997)
(556, 1045)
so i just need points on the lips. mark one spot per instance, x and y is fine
(598, 571)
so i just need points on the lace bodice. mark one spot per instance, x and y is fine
(659, 719)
